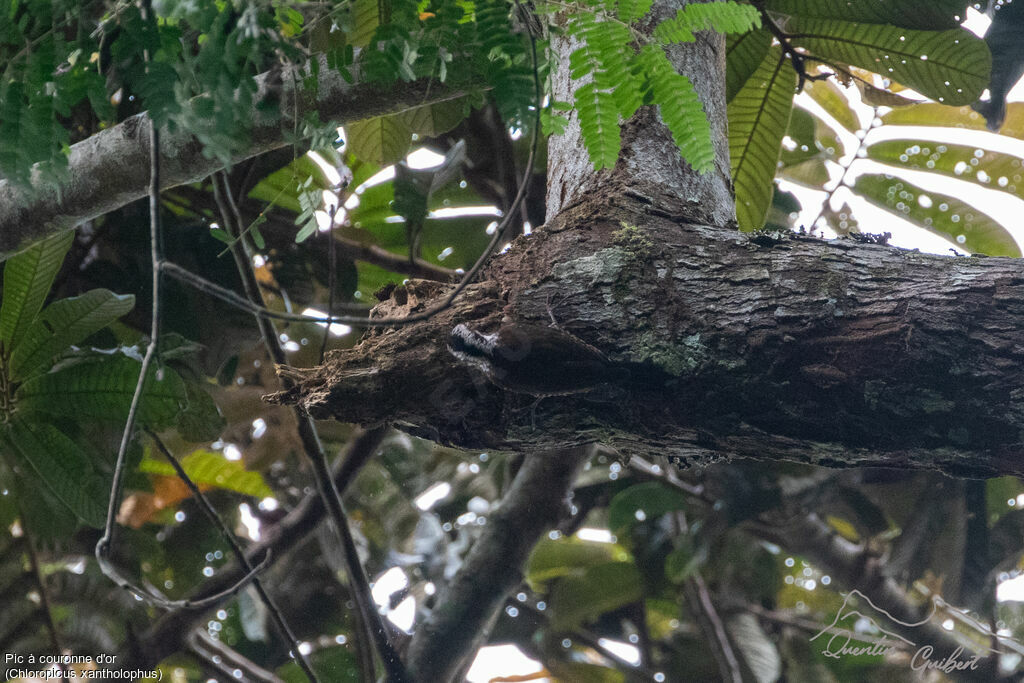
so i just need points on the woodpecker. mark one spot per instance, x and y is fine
(535, 360)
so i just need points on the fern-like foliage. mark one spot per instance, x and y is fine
(724, 17)
(618, 77)
(508, 67)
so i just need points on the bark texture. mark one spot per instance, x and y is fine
(832, 353)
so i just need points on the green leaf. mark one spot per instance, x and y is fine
(382, 140)
(632, 10)
(64, 323)
(599, 123)
(758, 118)
(102, 388)
(931, 114)
(554, 558)
(434, 119)
(941, 214)
(59, 463)
(724, 17)
(995, 170)
(812, 139)
(743, 55)
(947, 66)
(682, 562)
(200, 421)
(833, 101)
(28, 277)
(212, 469)
(366, 19)
(599, 589)
(649, 500)
(920, 14)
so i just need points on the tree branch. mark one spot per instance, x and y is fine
(826, 352)
(467, 607)
(105, 170)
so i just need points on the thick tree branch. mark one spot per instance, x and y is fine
(468, 606)
(106, 170)
(830, 353)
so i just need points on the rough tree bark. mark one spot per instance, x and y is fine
(831, 353)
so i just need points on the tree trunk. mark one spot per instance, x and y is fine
(722, 344)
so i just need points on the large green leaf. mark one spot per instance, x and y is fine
(938, 213)
(55, 458)
(833, 101)
(64, 323)
(555, 558)
(382, 140)
(281, 186)
(201, 420)
(103, 388)
(919, 14)
(812, 139)
(743, 55)
(28, 277)
(949, 66)
(601, 588)
(931, 114)
(213, 469)
(990, 169)
(432, 120)
(648, 500)
(758, 117)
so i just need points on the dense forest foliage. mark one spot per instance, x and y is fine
(336, 176)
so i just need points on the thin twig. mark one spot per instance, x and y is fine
(44, 593)
(227, 662)
(369, 617)
(714, 630)
(332, 265)
(827, 203)
(167, 635)
(211, 514)
(103, 546)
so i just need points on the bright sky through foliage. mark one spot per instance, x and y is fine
(1001, 206)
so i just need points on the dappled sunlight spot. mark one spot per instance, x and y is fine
(404, 614)
(624, 651)
(387, 584)
(495, 661)
(1010, 588)
(595, 535)
(337, 329)
(424, 158)
(332, 174)
(457, 211)
(433, 495)
(249, 522)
